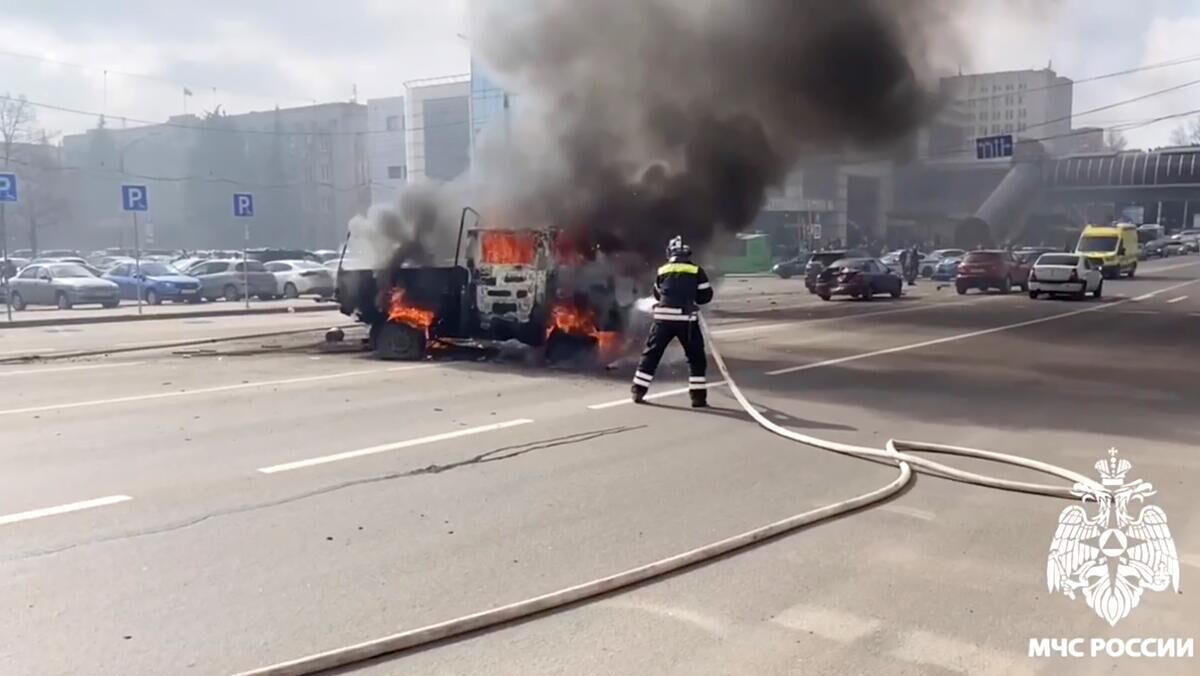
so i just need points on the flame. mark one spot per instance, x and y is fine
(572, 320)
(508, 247)
(416, 317)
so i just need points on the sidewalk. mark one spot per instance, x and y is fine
(125, 313)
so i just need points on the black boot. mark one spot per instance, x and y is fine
(638, 392)
(700, 399)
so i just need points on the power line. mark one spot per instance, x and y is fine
(142, 76)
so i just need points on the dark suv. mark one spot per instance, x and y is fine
(992, 269)
(820, 260)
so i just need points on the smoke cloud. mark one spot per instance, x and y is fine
(637, 120)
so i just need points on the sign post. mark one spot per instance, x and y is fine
(8, 193)
(243, 207)
(135, 198)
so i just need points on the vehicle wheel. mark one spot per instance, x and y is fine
(290, 290)
(962, 290)
(62, 301)
(194, 300)
(111, 304)
(18, 303)
(825, 296)
(1034, 295)
(399, 342)
(267, 296)
(1132, 270)
(152, 297)
(1006, 286)
(1099, 289)
(897, 291)
(231, 293)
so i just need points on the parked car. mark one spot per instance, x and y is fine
(326, 255)
(1158, 248)
(1061, 273)
(858, 278)
(157, 281)
(991, 269)
(786, 269)
(946, 270)
(226, 278)
(298, 278)
(1188, 239)
(264, 255)
(818, 260)
(61, 284)
(1175, 247)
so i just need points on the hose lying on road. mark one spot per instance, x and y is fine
(905, 461)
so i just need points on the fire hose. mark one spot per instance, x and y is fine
(896, 452)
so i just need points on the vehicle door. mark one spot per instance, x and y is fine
(27, 283)
(873, 273)
(209, 275)
(1091, 273)
(282, 272)
(122, 275)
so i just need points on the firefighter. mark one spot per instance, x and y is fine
(681, 286)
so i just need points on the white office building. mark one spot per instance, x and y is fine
(387, 158)
(1030, 104)
(437, 124)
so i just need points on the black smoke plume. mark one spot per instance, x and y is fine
(640, 119)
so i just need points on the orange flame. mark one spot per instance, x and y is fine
(508, 247)
(399, 311)
(581, 322)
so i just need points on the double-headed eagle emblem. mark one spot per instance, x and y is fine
(1114, 556)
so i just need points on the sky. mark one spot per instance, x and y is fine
(253, 55)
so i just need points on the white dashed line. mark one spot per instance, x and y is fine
(209, 390)
(835, 625)
(372, 450)
(961, 336)
(1176, 300)
(62, 509)
(65, 369)
(656, 395)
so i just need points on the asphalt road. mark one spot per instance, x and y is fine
(167, 513)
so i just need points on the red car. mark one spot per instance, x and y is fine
(858, 278)
(992, 269)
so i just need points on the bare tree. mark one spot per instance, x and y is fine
(17, 118)
(1187, 133)
(1115, 140)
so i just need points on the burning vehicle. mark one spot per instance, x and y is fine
(543, 288)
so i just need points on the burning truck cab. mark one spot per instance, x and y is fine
(539, 287)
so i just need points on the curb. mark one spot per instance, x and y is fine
(101, 319)
(36, 358)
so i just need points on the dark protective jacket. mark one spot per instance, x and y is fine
(681, 286)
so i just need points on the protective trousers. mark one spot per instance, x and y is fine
(692, 339)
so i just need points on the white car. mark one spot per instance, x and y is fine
(296, 278)
(1062, 273)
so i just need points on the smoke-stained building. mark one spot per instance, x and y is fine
(437, 128)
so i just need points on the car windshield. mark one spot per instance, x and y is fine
(68, 271)
(826, 258)
(851, 263)
(1093, 244)
(158, 270)
(1058, 259)
(305, 265)
(250, 266)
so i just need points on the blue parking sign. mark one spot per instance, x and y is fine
(243, 204)
(135, 198)
(8, 187)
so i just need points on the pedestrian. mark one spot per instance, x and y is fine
(680, 288)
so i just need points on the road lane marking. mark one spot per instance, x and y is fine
(828, 623)
(954, 655)
(63, 509)
(805, 322)
(210, 390)
(372, 450)
(1176, 300)
(656, 395)
(65, 369)
(1137, 312)
(960, 336)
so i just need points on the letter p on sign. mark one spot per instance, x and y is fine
(243, 204)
